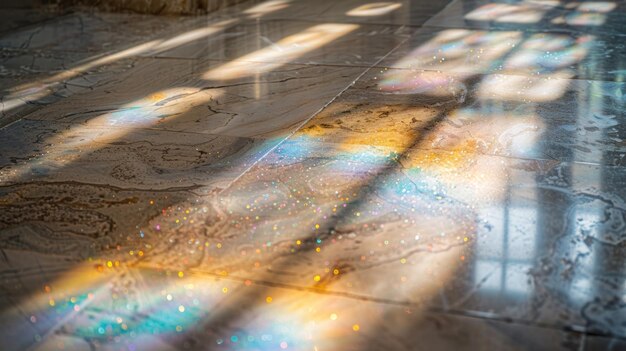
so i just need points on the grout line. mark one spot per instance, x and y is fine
(264, 139)
(313, 115)
(344, 21)
(387, 66)
(479, 315)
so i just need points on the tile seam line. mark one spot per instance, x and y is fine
(379, 65)
(253, 138)
(430, 16)
(198, 60)
(574, 328)
(342, 21)
(225, 60)
(96, 55)
(313, 115)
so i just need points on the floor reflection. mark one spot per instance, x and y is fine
(460, 188)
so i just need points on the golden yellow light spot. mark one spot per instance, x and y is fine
(224, 290)
(317, 226)
(333, 316)
(356, 327)
(335, 271)
(317, 249)
(317, 278)
(181, 274)
(51, 302)
(268, 299)
(156, 97)
(109, 264)
(465, 239)
(403, 260)
(219, 245)
(298, 242)
(450, 160)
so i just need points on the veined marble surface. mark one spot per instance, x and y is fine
(289, 41)
(298, 175)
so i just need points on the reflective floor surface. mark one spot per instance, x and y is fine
(315, 175)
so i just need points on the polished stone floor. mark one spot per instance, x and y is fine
(315, 175)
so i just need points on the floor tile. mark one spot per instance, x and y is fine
(87, 32)
(503, 238)
(538, 117)
(289, 41)
(403, 12)
(181, 95)
(243, 180)
(17, 63)
(26, 89)
(48, 228)
(42, 151)
(42, 74)
(360, 193)
(166, 312)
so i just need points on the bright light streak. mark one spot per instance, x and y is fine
(423, 82)
(283, 51)
(581, 19)
(602, 7)
(549, 51)
(543, 88)
(495, 131)
(461, 51)
(374, 9)
(518, 13)
(23, 94)
(267, 7)
(97, 132)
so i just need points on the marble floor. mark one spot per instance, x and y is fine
(315, 175)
